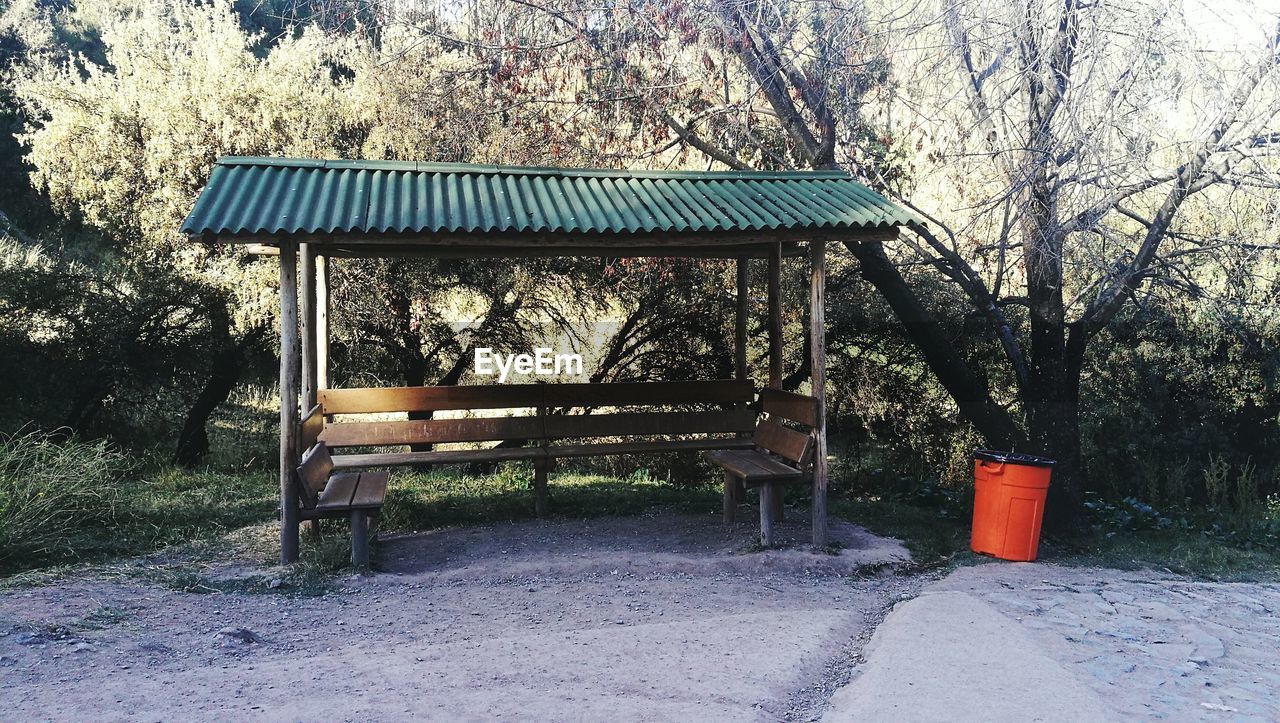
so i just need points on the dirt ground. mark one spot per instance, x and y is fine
(665, 617)
(649, 618)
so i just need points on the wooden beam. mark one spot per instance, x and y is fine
(360, 539)
(540, 469)
(307, 290)
(258, 249)
(740, 320)
(767, 506)
(288, 401)
(730, 503)
(468, 252)
(515, 396)
(322, 322)
(818, 375)
(775, 316)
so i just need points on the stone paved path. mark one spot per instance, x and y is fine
(1144, 644)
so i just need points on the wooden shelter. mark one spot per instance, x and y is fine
(311, 212)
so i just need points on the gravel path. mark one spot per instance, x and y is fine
(653, 618)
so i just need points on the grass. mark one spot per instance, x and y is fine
(1179, 551)
(939, 535)
(183, 529)
(933, 534)
(48, 489)
(152, 511)
(417, 501)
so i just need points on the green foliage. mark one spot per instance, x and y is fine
(102, 352)
(1182, 406)
(51, 490)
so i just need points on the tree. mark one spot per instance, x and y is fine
(1079, 172)
(1069, 104)
(122, 138)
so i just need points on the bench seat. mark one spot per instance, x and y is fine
(347, 491)
(324, 493)
(753, 467)
(778, 455)
(546, 422)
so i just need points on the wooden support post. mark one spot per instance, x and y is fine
(818, 374)
(288, 401)
(540, 487)
(360, 539)
(775, 316)
(322, 322)
(740, 322)
(731, 485)
(775, 347)
(767, 491)
(307, 290)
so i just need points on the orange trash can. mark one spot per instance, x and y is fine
(1009, 490)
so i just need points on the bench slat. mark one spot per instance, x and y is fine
(796, 407)
(720, 391)
(337, 494)
(311, 426)
(313, 473)
(455, 456)
(783, 441)
(371, 491)
(430, 431)
(665, 445)
(649, 423)
(429, 399)
(520, 396)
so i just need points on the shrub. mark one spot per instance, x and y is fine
(50, 489)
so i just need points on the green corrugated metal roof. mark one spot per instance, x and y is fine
(271, 196)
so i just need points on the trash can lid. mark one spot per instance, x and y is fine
(991, 455)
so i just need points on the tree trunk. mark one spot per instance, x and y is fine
(224, 374)
(969, 391)
(1053, 423)
(84, 411)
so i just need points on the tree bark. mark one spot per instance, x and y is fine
(224, 374)
(969, 391)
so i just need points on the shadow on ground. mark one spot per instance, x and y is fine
(672, 543)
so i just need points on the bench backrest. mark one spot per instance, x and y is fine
(773, 436)
(313, 473)
(550, 404)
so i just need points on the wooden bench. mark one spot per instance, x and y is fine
(779, 455)
(324, 493)
(556, 422)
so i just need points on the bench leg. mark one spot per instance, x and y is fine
(768, 491)
(360, 538)
(540, 487)
(315, 530)
(731, 497)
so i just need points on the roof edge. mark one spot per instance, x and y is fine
(486, 169)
